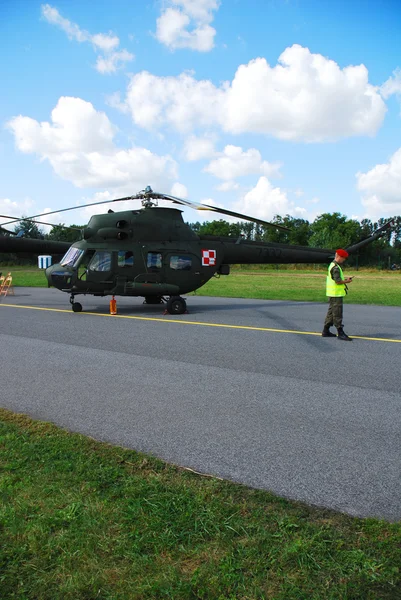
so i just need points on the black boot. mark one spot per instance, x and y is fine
(326, 332)
(343, 336)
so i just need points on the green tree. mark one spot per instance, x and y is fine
(29, 229)
(247, 229)
(299, 231)
(194, 226)
(334, 230)
(219, 228)
(65, 233)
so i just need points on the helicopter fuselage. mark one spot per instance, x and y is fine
(150, 252)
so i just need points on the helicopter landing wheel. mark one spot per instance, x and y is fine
(76, 306)
(176, 305)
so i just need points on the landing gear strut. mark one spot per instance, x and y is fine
(76, 306)
(176, 305)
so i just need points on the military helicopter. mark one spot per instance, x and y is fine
(151, 252)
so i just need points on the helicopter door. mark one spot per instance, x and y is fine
(183, 269)
(99, 272)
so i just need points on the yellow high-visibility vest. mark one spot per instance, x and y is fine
(334, 289)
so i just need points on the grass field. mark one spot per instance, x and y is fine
(81, 520)
(368, 287)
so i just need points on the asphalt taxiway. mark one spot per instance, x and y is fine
(247, 390)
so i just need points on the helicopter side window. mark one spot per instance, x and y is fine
(101, 261)
(125, 259)
(72, 257)
(154, 262)
(180, 263)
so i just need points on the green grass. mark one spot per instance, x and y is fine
(25, 276)
(381, 288)
(368, 287)
(85, 520)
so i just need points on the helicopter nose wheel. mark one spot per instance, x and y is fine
(76, 306)
(176, 305)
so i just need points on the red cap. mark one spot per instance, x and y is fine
(342, 253)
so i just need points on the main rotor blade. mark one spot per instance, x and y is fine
(199, 206)
(40, 222)
(54, 212)
(149, 194)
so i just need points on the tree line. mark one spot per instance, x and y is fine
(328, 230)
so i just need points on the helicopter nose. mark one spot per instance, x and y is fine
(58, 277)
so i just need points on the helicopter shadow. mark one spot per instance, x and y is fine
(16, 295)
(159, 310)
(243, 306)
(310, 340)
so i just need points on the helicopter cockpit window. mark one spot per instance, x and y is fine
(125, 259)
(180, 263)
(101, 261)
(72, 257)
(154, 260)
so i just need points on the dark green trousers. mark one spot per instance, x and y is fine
(335, 312)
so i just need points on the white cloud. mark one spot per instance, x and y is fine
(179, 190)
(200, 10)
(79, 145)
(76, 125)
(74, 32)
(381, 188)
(234, 162)
(304, 97)
(111, 60)
(392, 85)
(105, 42)
(114, 100)
(11, 208)
(265, 201)
(83, 215)
(196, 148)
(181, 102)
(227, 186)
(186, 24)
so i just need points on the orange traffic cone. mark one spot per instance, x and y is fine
(113, 306)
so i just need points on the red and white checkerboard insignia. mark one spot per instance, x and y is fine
(208, 258)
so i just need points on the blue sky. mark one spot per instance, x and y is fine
(264, 107)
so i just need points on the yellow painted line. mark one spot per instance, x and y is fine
(199, 323)
(35, 307)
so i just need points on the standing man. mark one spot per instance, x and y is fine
(336, 288)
